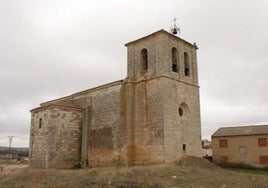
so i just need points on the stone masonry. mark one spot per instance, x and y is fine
(152, 116)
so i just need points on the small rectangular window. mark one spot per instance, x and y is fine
(144, 56)
(262, 142)
(263, 160)
(223, 143)
(242, 150)
(184, 147)
(40, 123)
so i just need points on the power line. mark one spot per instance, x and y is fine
(10, 142)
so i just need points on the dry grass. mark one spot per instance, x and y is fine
(190, 172)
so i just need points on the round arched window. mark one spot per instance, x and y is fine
(183, 110)
(180, 111)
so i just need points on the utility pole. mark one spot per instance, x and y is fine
(10, 142)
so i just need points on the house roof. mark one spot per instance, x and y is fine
(241, 131)
(65, 104)
(67, 100)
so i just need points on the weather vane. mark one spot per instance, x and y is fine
(174, 29)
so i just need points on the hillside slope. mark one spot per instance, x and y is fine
(24, 149)
(189, 172)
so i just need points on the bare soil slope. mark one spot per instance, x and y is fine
(189, 172)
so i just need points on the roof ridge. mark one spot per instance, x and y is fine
(241, 130)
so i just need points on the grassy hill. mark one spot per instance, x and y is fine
(189, 172)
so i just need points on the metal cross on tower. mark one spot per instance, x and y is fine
(174, 29)
(174, 20)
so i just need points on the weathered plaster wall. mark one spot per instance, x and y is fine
(232, 154)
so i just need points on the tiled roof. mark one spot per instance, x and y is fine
(165, 32)
(61, 103)
(242, 131)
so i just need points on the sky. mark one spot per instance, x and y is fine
(53, 48)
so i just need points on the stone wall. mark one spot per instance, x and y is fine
(136, 120)
(102, 142)
(159, 46)
(38, 138)
(182, 131)
(56, 137)
(148, 123)
(104, 130)
(159, 93)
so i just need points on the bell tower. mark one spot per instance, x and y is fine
(162, 53)
(162, 82)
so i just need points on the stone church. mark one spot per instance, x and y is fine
(151, 116)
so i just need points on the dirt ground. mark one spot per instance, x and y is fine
(189, 172)
(6, 169)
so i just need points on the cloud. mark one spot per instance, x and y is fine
(50, 49)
